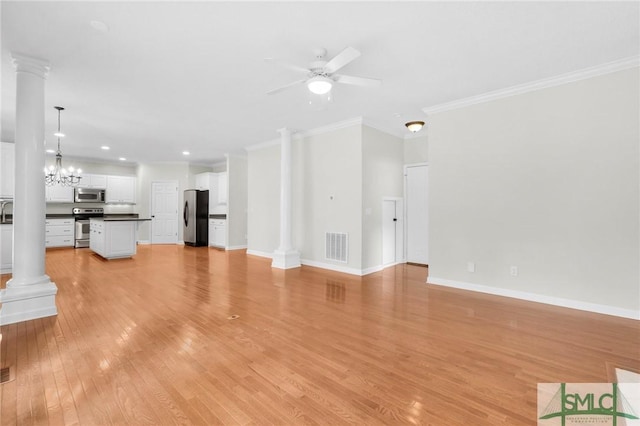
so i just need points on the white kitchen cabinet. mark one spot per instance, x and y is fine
(208, 182)
(121, 190)
(6, 248)
(218, 233)
(113, 239)
(59, 232)
(7, 169)
(93, 181)
(58, 194)
(205, 181)
(216, 184)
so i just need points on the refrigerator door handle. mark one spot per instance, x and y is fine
(185, 213)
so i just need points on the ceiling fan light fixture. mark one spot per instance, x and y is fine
(415, 126)
(319, 85)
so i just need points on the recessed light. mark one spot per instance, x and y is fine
(122, 159)
(106, 148)
(99, 26)
(185, 152)
(51, 151)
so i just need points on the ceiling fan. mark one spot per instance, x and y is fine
(320, 75)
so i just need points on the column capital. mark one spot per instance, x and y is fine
(285, 131)
(23, 63)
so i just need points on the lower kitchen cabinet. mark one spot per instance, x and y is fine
(59, 232)
(218, 233)
(113, 239)
(6, 248)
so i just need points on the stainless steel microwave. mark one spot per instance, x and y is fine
(88, 195)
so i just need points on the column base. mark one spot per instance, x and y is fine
(285, 259)
(28, 302)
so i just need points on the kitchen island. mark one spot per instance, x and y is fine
(114, 237)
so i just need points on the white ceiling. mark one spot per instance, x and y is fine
(174, 76)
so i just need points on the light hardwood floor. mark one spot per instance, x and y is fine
(149, 341)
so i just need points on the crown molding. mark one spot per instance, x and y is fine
(607, 68)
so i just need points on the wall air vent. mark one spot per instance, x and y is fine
(336, 246)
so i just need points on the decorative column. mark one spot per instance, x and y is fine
(30, 294)
(285, 257)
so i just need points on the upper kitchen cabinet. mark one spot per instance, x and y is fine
(7, 169)
(216, 184)
(58, 194)
(93, 181)
(205, 181)
(121, 190)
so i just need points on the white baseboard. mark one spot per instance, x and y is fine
(373, 269)
(144, 242)
(332, 267)
(237, 247)
(6, 270)
(260, 253)
(539, 298)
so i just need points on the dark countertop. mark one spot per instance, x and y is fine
(217, 216)
(121, 216)
(124, 219)
(60, 216)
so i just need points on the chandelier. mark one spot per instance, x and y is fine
(57, 175)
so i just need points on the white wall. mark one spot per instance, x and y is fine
(547, 181)
(416, 147)
(237, 169)
(382, 176)
(263, 190)
(328, 193)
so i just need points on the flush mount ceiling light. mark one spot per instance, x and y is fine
(415, 126)
(319, 84)
(56, 174)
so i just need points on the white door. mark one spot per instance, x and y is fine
(417, 219)
(164, 212)
(392, 232)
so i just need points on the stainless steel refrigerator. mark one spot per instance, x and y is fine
(195, 216)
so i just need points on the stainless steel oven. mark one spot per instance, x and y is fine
(82, 233)
(83, 216)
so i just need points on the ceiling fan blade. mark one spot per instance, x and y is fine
(287, 65)
(358, 81)
(341, 59)
(286, 86)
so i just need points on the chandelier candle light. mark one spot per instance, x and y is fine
(57, 175)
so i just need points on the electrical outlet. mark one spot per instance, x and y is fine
(471, 267)
(513, 271)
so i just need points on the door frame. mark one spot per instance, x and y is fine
(406, 211)
(172, 181)
(402, 231)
